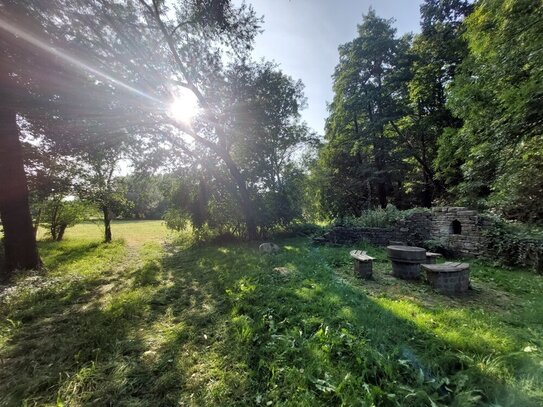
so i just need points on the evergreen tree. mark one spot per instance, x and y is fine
(360, 163)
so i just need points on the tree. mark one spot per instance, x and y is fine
(497, 93)
(97, 182)
(143, 192)
(60, 213)
(259, 108)
(261, 115)
(437, 52)
(220, 16)
(20, 246)
(143, 48)
(369, 95)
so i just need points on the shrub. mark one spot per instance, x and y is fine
(58, 214)
(438, 246)
(379, 218)
(301, 229)
(514, 245)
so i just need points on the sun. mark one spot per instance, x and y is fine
(184, 106)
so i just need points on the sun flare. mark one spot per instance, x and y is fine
(184, 107)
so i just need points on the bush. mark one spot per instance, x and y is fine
(300, 229)
(379, 218)
(438, 246)
(58, 214)
(515, 245)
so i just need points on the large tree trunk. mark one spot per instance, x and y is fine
(107, 224)
(21, 251)
(54, 223)
(381, 182)
(245, 199)
(61, 231)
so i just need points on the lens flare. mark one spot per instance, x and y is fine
(25, 36)
(184, 106)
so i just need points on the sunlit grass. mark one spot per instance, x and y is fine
(146, 324)
(133, 232)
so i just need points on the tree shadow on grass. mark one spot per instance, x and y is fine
(245, 335)
(214, 325)
(73, 341)
(60, 253)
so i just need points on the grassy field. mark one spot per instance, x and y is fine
(153, 320)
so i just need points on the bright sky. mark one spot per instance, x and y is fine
(303, 37)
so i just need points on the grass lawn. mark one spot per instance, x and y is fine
(150, 320)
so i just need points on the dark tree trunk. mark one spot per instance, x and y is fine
(382, 194)
(61, 231)
(427, 193)
(245, 199)
(53, 231)
(381, 182)
(107, 224)
(21, 251)
(54, 224)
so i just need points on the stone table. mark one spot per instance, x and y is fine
(406, 261)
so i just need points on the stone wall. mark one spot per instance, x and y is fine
(349, 235)
(413, 230)
(458, 228)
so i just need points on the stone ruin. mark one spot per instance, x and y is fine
(458, 228)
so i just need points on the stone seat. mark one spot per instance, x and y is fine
(448, 278)
(431, 257)
(363, 264)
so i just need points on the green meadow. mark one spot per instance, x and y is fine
(154, 319)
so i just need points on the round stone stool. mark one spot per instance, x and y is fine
(448, 278)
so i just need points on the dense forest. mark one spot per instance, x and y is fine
(449, 115)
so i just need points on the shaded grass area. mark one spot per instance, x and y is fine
(165, 325)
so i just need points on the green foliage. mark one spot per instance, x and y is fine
(389, 112)
(497, 93)
(59, 214)
(145, 195)
(439, 246)
(514, 245)
(260, 107)
(380, 218)
(359, 165)
(437, 52)
(176, 220)
(518, 189)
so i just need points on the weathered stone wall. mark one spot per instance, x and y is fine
(413, 230)
(458, 228)
(348, 235)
